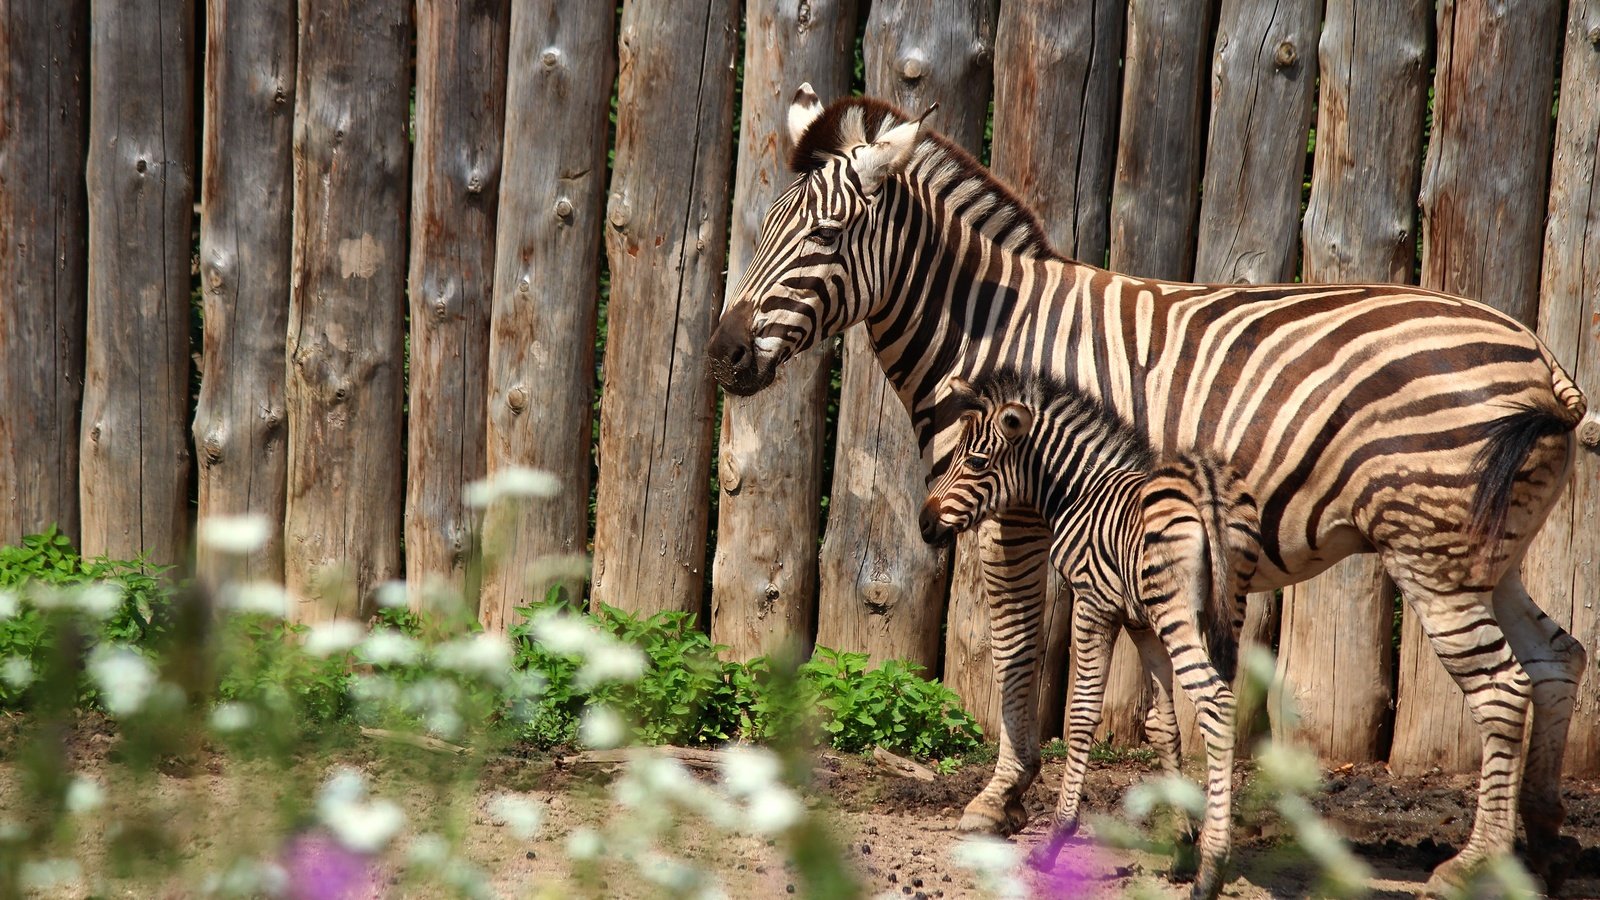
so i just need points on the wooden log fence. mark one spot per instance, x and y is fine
(328, 211)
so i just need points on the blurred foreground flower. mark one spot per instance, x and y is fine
(362, 825)
(236, 535)
(519, 813)
(124, 677)
(993, 862)
(84, 795)
(10, 605)
(515, 481)
(388, 647)
(229, 718)
(338, 636)
(16, 672)
(601, 728)
(485, 655)
(259, 597)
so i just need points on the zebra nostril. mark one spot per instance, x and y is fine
(737, 354)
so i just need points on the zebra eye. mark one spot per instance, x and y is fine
(824, 234)
(976, 462)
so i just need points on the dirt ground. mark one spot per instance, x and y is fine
(899, 832)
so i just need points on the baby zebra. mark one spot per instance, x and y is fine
(1160, 545)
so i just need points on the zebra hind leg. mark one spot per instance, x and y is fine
(1161, 730)
(1013, 549)
(1554, 661)
(1094, 631)
(1462, 629)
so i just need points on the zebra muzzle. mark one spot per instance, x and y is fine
(934, 531)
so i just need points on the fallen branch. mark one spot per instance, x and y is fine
(421, 741)
(899, 765)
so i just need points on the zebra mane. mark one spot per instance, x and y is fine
(1055, 400)
(987, 203)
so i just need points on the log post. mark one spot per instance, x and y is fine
(1055, 113)
(666, 244)
(245, 223)
(547, 269)
(455, 190)
(1492, 96)
(44, 77)
(134, 464)
(1263, 75)
(347, 306)
(882, 588)
(1335, 652)
(1155, 203)
(1562, 572)
(764, 574)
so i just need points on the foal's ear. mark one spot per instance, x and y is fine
(963, 398)
(804, 109)
(888, 156)
(1015, 421)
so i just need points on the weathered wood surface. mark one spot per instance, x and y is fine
(246, 211)
(1335, 646)
(1263, 71)
(1055, 102)
(1563, 568)
(1481, 239)
(668, 217)
(44, 99)
(882, 589)
(455, 191)
(347, 306)
(1155, 204)
(764, 575)
(1155, 198)
(547, 266)
(134, 467)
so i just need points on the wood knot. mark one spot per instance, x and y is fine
(441, 309)
(1594, 36)
(1286, 55)
(140, 166)
(1589, 431)
(564, 209)
(802, 18)
(771, 592)
(550, 58)
(913, 67)
(212, 448)
(728, 474)
(619, 213)
(475, 183)
(517, 399)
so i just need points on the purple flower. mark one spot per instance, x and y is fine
(320, 868)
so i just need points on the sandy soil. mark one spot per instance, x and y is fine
(898, 832)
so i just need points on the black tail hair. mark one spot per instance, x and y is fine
(1508, 441)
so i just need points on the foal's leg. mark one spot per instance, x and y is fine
(1095, 624)
(1161, 722)
(1014, 550)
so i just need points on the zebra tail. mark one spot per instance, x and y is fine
(1216, 617)
(1509, 441)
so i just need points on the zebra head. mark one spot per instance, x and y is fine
(812, 275)
(986, 473)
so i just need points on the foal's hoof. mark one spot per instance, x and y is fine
(1448, 879)
(1555, 861)
(1043, 856)
(983, 818)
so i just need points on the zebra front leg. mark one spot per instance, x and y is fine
(1214, 713)
(1554, 661)
(1013, 549)
(1094, 632)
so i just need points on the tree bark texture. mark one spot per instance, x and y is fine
(455, 190)
(1335, 651)
(347, 307)
(246, 201)
(1562, 572)
(1057, 88)
(668, 233)
(764, 575)
(882, 589)
(44, 68)
(547, 269)
(134, 465)
(1155, 197)
(1483, 190)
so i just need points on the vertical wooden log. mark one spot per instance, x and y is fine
(764, 575)
(1155, 195)
(1055, 113)
(669, 228)
(1263, 74)
(455, 189)
(883, 589)
(1492, 97)
(347, 307)
(245, 225)
(1335, 651)
(1155, 203)
(547, 266)
(44, 68)
(1562, 571)
(134, 468)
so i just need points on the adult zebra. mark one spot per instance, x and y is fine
(1430, 429)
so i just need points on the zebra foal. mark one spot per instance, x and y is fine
(1159, 544)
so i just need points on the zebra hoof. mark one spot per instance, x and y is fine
(1554, 863)
(1448, 879)
(981, 818)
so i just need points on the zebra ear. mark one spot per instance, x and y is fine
(804, 109)
(1015, 421)
(887, 156)
(963, 397)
